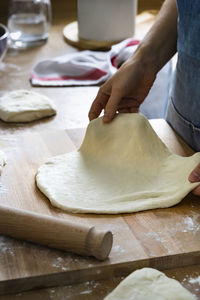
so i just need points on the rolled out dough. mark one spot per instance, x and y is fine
(149, 284)
(25, 106)
(121, 167)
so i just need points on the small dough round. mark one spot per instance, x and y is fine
(25, 106)
(149, 284)
(121, 167)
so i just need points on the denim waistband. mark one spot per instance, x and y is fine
(185, 129)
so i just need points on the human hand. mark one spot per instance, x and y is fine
(124, 91)
(195, 177)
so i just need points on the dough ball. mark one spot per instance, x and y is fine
(149, 284)
(25, 106)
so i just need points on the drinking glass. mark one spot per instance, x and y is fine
(28, 22)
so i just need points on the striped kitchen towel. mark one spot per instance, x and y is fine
(82, 68)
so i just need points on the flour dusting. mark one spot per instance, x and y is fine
(188, 224)
(118, 249)
(195, 280)
(6, 247)
(61, 263)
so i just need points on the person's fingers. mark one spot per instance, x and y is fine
(195, 175)
(123, 110)
(134, 109)
(98, 105)
(111, 107)
(128, 110)
(196, 191)
(128, 103)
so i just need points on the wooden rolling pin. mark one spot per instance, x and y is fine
(55, 233)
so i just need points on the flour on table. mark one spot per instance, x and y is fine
(121, 167)
(25, 106)
(195, 280)
(2, 160)
(149, 284)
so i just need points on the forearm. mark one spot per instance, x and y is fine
(159, 44)
(129, 86)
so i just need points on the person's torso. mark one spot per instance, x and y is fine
(186, 87)
(189, 27)
(187, 80)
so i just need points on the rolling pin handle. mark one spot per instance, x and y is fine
(99, 243)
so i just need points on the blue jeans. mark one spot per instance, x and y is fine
(184, 105)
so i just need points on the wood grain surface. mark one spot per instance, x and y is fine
(161, 238)
(98, 289)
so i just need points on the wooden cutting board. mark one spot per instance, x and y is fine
(161, 238)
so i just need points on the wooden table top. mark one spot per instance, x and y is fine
(73, 105)
(98, 289)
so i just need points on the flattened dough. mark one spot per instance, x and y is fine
(25, 106)
(121, 167)
(149, 284)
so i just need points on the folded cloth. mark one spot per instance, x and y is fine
(82, 68)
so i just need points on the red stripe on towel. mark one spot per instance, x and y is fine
(114, 58)
(93, 75)
(114, 61)
(132, 43)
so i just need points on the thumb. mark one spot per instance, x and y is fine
(195, 175)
